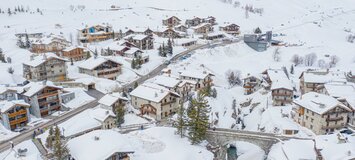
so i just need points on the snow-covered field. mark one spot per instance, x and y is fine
(308, 26)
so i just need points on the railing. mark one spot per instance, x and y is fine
(47, 94)
(334, 119)
(17, 121)
(166, 103)
(281, 94)
(333, 126)
(22, 111)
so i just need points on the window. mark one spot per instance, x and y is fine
(312, 120)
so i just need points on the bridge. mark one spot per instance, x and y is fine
(222, 137)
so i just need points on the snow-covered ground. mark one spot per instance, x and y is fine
(31, 154)
(307, 26)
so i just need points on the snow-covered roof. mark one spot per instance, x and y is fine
(71, 48)
(49, 39)
(92, 62)
(87, 147)
(152, 92)
(318, 103)
(323, 76)
(166, 81)
(110, 99)
(133, 50)
(101, 114)
(115, 46)
(195, 74)
(5, 89)
(293, 149)
(332, 147)
(34, 87)
(201, 25)
(272, 117)
(137, 36)
(279, 79)
(340, 90)
(40, 59)
(6, 105)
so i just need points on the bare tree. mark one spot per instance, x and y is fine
(310, 59)
(322, 64)
(333, 60)
(296, 60)
(234, 77)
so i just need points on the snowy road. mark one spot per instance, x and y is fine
(29, 133)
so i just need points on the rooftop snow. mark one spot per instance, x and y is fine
(340, 89)
(6, 105)
(38, 60)
(195, 74)
(318, 103)
(71, 48)
(166, 81)
(311, 77)
(110, 99)
(85, 147)
(91, 63)
(101, 114)
(34, 87)
(279, 79)
(152, 92)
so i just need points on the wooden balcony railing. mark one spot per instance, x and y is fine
(169, 102)
(330, 119)
(22, 111)
(17, 121)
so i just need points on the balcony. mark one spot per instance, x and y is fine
(169, 102)
(18, 121)
(48, 101)
(20, 112)
(48, 94)
(330, 119)
(333, 126)
(281, 94)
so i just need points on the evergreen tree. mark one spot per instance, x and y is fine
(163, 50)
(28, 43)
(88, 55)
(2, 58)
(257, 31)
(10, 70)
(60, 150)
(170, 47)
(22, 10)
(15, 9)
(95, 53)
(214, 93)
(113, 34)
(120, 112)
(49, 140)
(120, 35)
(199, 116)
(207, 90)
(292, 70)
(138, 62)
(71, 61)
(9, 11)
(133, 64)
(135, 84)
(181, 121)
(160, 51)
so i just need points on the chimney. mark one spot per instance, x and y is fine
(107, 112)
(161, 91)
(96, 138)
(44, 82)
(156, 94)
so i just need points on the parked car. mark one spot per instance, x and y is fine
(346, 131)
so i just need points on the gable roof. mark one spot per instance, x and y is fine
(152, 92)
(195, 74)
(101, 114)
(5, 89)
(40, 59)
(72, 48)
(86, 147)
(318, 103)
(6, 105)
(34, 87)
(110, 99)
(166, 81)
(279, 79)
(92, 62)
